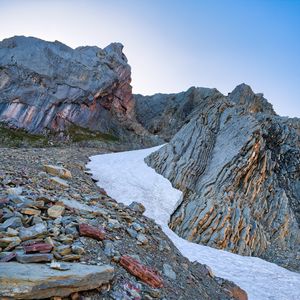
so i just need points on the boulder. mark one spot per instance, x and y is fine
(58, 171)
(39, 281)
(60, 182)
(141, 271)
(34, 258)
(91, 231)
(138, 207)
(56, 211)
(39, 247)
(13, 222)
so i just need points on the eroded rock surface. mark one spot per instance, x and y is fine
(165, 114)
(237, 164)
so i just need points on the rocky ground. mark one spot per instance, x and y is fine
(56, 223)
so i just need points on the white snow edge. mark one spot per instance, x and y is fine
(126, 178)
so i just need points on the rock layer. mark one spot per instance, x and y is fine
(237, 164)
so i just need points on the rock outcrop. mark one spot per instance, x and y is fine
(48, 87)
(237, 164)
(165, 114)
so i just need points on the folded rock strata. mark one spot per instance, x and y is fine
(238, 165)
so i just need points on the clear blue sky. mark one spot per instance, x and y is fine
(172, 45)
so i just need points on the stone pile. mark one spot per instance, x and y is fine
(40, 229)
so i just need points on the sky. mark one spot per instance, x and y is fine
(172, 45)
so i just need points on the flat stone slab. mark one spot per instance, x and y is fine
(58, 171)
(39, 281)
(34, 258)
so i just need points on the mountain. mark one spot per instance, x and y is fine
(238, 166)
(235, 160)
(50, 88)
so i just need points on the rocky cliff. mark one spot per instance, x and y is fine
(48, 87)
(164, 114)
(237, 164)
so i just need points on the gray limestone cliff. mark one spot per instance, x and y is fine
(48, 87)
(238, 165)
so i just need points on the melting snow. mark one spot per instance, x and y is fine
(127, 178)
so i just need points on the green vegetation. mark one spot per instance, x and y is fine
(80, 134)
(20, 138)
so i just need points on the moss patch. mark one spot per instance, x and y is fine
(20, 138)
(81, 134)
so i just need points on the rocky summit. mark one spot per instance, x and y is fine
(237, 164)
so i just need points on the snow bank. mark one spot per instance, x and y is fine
(127, 178)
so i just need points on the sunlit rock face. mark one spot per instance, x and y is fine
(48, 86)
(238, 165)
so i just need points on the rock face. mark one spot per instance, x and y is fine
(237, 164)
(165, 114)
(38, 281)
(48, 87)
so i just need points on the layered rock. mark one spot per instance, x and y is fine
(50, 87)
(237, 164)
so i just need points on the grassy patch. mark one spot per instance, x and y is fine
(20, 138)
(81, 134)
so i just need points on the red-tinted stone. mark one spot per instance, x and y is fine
(41, 247)
(91, 231)
(141, 271)
(8, 257)
(3, 202)
(102, 191)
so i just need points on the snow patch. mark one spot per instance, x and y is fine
(126, 178)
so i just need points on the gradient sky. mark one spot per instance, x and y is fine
(172, 45)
